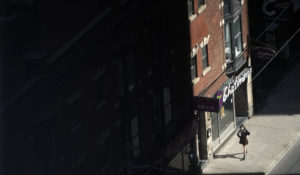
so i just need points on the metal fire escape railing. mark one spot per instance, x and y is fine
(231, 8)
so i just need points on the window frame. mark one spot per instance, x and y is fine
(234, 37)
(201, 3)
(167, 102)
(194, 68)
(204, 57)
(192, 7)
(135, 138)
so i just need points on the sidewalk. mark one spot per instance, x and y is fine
(274, 130)
(270, 136)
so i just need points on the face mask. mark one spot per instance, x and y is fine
(242, 128)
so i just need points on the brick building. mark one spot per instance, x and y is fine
(220, 67)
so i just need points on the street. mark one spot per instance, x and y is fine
(290, 163)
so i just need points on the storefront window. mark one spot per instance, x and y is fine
(215, 126)
(226, 114)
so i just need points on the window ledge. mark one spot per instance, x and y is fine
(224, 66)
(196, 80)
(203, 7)
(192, 17)
(205, 71)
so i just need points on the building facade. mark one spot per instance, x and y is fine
(220, 70)
(92, 87)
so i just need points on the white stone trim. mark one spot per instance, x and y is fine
(192, 17)
(242, 2)
(224, 66)
(204, 41)
(206, 70)
(202, 7)
(221, 22)
(245, 44)
(221, 5)
(202, 44)
(196, 80)
(195, 50)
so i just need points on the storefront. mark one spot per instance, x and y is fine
(234, 107)
(223, 121)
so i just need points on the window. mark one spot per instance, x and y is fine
(200, 3)
(135, 137)
(167, 105)
(204, 57)
(231, 7)
(156, 109)
(238, 46)
(190, 7)
(227, 41)
(194, 72)
(233, 38)
(130, 71)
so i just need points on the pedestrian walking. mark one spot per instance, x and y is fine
(242, 134)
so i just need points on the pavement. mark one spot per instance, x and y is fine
(290, 163)
(274, 142)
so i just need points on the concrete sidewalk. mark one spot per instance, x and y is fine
(274, 130)
(271, 137)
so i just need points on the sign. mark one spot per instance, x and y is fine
(206, 104)
(219, 96)
(235, 83)
(263, 53)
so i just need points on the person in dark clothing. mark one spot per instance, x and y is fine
(242, 134)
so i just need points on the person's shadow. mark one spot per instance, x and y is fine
(224, 156)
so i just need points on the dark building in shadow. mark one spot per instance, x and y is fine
(93, 87)
(272, 23)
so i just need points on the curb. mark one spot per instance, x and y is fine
(272, 165)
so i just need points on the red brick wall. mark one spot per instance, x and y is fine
(208, 23)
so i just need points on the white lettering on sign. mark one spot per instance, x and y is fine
(235, 83)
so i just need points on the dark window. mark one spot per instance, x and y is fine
(204, 57)
(167, 105)
(190, 7)
(226, 8)
(231, 6)
(194, 72)
(157, 110)
(135, 137)
(200, 3)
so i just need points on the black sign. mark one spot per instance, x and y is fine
(262, 52)
(206, 104)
